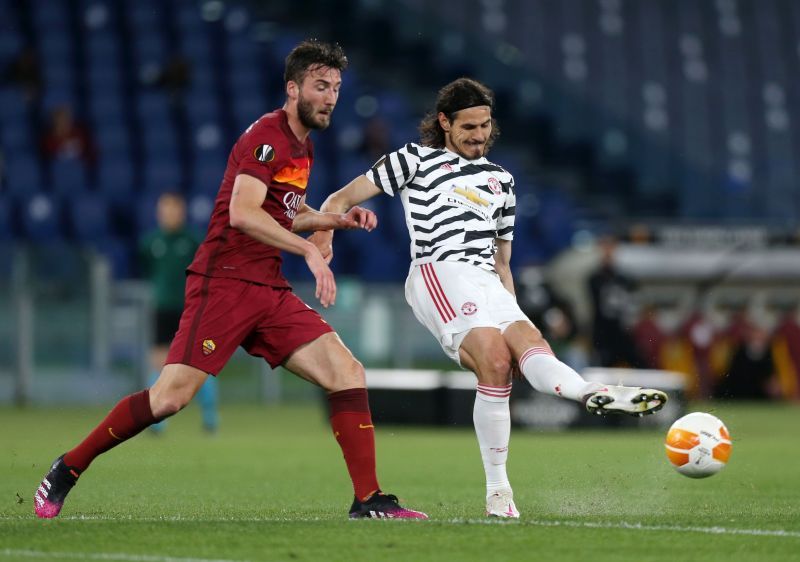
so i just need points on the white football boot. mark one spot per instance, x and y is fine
(631, 400)
(501, 504)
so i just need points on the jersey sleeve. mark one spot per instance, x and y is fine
(394, 170)
(257, 157)
(505, 224)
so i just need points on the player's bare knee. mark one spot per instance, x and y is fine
(536, 336)
(495, 369)
(168, 404)
(350, 376)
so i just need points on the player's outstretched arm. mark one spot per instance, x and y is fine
(247, 216)
(346, 200)
(310, 220)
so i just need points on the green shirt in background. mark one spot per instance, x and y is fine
(163, 258)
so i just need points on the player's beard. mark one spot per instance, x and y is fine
(460, 149)
(307, 115)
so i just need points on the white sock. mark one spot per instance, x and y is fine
(549, 375)
(492, 419)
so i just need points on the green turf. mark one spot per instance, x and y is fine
(272, 486)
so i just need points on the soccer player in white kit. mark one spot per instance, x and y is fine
(459, 209)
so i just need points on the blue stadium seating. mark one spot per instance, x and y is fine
(199, 208)
(119, 254)
(89, 217)
(23, 175)
(162, 173)
(13, 106)
(15, 136)
(40, 219)
(6, 217)
(653, 101)
(68, 177)
(115, 178)
(207, 175)
(113, 138)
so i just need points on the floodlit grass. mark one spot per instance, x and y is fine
(272, 486)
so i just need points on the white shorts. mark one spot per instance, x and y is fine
(451, 298)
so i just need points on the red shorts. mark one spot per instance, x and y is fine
(221, 314)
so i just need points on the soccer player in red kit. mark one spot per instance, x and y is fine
(237, 295)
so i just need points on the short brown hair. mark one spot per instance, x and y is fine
(455, 96)
(312, 53)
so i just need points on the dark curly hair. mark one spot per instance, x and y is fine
(455, 96)
(311, 54)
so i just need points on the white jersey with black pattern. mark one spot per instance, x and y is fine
(455, 208)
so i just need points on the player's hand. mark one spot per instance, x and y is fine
(326, 285)
(323, 240)
(359, 217)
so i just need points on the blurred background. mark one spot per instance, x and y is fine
(654, 145)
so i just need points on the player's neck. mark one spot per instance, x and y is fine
(300, 131)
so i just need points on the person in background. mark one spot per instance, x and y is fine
(24, 72)
(164, 254)
(751, 373)
(610, 292)
(66, 139)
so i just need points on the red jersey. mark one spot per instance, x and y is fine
(269, 151)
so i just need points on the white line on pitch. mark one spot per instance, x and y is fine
(121, 556)
(531, 522)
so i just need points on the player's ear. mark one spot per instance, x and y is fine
(444, 122)
(292, 90)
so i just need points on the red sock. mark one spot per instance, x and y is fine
(131, 415)
(353, 429)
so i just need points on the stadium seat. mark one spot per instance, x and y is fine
(23, 175)
(6, 217)
(12, 105)
(153, 107)
(119, 254)
(199, 209)
(104, 77)
(107, 110)
(207, 176)
(40, 219)
(15, 136)
(115, 178)
(162, 174)
(244, 82)
(68, 177)
(202, 107)
(144, 207)
(159, 140)
(112, 139)
(10, 41)
(89, 217)
(196, 47)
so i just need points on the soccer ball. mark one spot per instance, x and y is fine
(698, 445)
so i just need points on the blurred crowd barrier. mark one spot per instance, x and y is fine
(726, 320)
(723, 311)
(446, 397)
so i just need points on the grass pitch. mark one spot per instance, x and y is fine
(272, 486)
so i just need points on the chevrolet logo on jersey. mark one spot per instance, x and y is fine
(472, 195)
